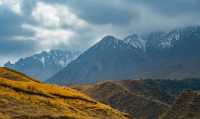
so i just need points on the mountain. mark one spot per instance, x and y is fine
(22, 97)
(143, 99)
(172, 54)
(45, 64)
(187, 106)
(111, 58)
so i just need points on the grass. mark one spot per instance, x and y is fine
(24, 98)
(11, 74)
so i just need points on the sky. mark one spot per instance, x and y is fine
(31, 26)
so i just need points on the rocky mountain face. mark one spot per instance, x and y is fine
(173, 54)
(143, 99)
(22, 97)
(45, 64)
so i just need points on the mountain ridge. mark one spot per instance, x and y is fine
(172, 54)
(98, 55)
(45, 64)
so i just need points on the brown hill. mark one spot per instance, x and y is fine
(24, 98)
(128, 96)
(187, 106)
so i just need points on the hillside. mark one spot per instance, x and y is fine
(164, 90)
(24, 98)
(136, 103)
(143, 99)
(187, 106)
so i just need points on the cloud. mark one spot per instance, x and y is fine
(56, 29)
(10, 23)
(136, 15)
(29, 26)
(10, 47)
(59, 16)
(103, 12)
(172, 7)
(49, 38)
(14, 5)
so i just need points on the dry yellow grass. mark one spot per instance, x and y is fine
(26, 98)
(15, 75)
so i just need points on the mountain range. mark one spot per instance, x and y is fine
(45, 64)
(172, 54)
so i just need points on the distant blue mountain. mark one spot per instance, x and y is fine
(173, 54)
(45, 64)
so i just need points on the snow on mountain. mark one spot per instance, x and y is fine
(45, 64)
(172, 54)
(112, 42)
(170, 38)
(57, 57)
(136, 41)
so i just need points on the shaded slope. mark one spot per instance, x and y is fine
(119, 96)
(177, 87)
(23, 99)
(187, 106)
(144, 99)
(148, 88)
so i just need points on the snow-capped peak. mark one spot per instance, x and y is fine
(169, 38)
(44, 64)
(136, 41)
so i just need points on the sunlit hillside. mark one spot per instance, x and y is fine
(24, 98)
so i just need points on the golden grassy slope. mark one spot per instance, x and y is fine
(24, 98)
(15, 75)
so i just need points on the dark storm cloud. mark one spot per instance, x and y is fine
(172, 7)
(98, 12)
(101, 13)
(122, 12)
(10, 24)
(10, 27)
(14, 47)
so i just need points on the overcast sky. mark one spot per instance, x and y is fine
(30, 26)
